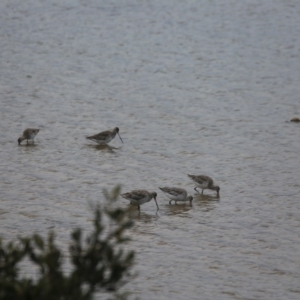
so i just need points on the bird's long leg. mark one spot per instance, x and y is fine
(196, 190)
(202, 191)
(138, 207)
(170, 202)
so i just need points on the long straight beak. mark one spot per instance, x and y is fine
(120, 138)
(156, 204)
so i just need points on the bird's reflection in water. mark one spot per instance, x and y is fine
(106, 148)
(177, 209)
(28, 147)
(206, 202)
(140, 215)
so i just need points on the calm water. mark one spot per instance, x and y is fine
(195, 87)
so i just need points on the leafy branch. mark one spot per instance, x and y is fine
(99, 263)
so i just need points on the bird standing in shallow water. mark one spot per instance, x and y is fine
(205, 182)
(139, 197)
(176, 194)
(28, 134)
(105, 137)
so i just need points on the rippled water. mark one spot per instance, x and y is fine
(199, 87)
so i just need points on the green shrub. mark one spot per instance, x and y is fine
(98, 262)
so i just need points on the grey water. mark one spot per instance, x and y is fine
(196, 87)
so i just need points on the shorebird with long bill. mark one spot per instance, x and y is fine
(28, 134)
(105, 137)
(139, 197)
(176, 194)
(205, 182)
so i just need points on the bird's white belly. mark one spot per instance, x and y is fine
(32, 136)
(180, 197)
(140, 201)
(203, 185)
(108, 139)
(103, 141)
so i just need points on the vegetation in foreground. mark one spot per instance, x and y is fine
(98, 261)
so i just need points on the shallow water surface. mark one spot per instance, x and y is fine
(195, 88)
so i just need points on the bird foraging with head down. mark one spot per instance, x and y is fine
(28, 134)
(176, 194)
(139, 197)
(205, 182)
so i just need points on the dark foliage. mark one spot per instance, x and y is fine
(98, 261)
